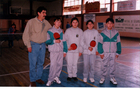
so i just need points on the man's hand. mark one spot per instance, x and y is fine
(64, 54)
(102, 56)
(80, 54)
(70, 48)
(90, 48)
(29, 49)
(57, 41)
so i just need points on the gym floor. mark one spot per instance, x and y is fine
(14, 67)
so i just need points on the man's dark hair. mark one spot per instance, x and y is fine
(39, 9)
(89, 21)
(109, 19)
(57, 18)
(74, 19)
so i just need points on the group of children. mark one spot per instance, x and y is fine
(74, 42)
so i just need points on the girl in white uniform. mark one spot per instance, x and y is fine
(73, 35)
(89, 53)
(57, 49)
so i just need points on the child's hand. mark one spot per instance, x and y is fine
(57, 41)
(29, 49)
(117, 56)
(80, 54)
(64, 54)
(70, 48)
(90, 48)
(102, 56)
(97, 53)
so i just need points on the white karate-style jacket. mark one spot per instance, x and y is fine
(87, 37)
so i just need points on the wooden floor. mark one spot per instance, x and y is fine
(14, 64)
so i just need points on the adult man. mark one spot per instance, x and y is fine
(34, 37)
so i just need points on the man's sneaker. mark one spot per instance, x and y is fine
(85, 79)
(48, 83)
(69, 79)
(57, 80)
(113, 80)
(92, 80)
(75, 78)
(102, 80)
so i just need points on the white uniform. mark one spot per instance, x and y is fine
(89, 56)
(73, 35)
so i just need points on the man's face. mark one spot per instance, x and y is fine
(109, 25)
(42, 15)
(74, 23)
(57, 23)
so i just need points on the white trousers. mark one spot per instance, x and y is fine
(108, 62)
(72, 59)
(56, 64)
(89, 61)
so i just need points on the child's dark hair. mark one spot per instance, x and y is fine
(109, 19)
(13, 25)
(57, 18)
(89, 21)
(74, 19)
(39, 9)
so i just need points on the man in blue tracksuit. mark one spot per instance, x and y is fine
(109, 47)
(58, 49)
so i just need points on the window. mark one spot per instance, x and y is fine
(115, 4)
(103, 3)
(72, 7)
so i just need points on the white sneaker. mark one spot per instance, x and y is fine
(92, 80)
(102, 80)
(57, 80)
(48, 83)
(113, 80)
(85, 79)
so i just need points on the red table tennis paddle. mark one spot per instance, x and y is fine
(93, 43)
(56, 36)
(73, 46)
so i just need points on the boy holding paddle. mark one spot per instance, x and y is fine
(58, 48)
(89, 43)
(109, 47)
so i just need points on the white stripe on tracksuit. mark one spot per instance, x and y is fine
(73, 35)
(89, 56)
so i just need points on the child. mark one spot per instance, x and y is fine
(56, 48)
(12, 30)
(109, 48)
(89, 53)
(73, 36)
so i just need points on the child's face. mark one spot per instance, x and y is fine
(74, 23)
(57, 23)
(90, 25)
(13, 26)
(109, 25)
